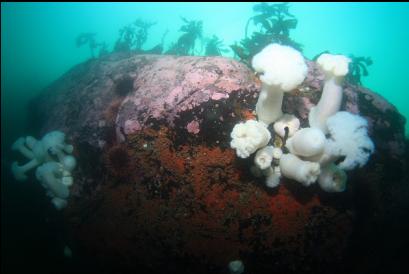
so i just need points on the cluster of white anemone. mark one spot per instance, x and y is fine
(53, 161)
(310, 153)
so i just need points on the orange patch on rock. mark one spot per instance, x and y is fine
(167, 156)
(289, 215)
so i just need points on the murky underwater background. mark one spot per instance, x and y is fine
(38, 45)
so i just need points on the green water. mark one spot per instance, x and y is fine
(38, 46)
(38, 41)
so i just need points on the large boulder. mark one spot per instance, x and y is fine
(158, 186)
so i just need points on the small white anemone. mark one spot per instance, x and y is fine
(289, 121)
(263, 160)
(304, 172)
(248, 137)
(236, 267)
(307, 142)
(273, 176)
(50, 176)
(264, 157)
(21, 145)
(332, 179)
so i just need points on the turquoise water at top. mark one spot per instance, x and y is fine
(38, 41)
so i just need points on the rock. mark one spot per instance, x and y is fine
(158, 187)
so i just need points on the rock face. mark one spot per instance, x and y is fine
(158, 187)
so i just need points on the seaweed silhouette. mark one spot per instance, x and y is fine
(103, 49)
(275, 18)
(89, 38)
(185, 45)
(133, 36)
(215, 47)
(358, 68)
(274, 22)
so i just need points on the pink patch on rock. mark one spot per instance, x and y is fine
(169, 85)
(304, 105)
(131, 126)
(193, 127)
(218, 96)
(174, 95)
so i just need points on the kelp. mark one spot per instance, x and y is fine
(89, 38)
(185, 45)
(274, 22)
(215, 47)
(358, 68)
(133, 36)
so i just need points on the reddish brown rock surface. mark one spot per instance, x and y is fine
(158, 188)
